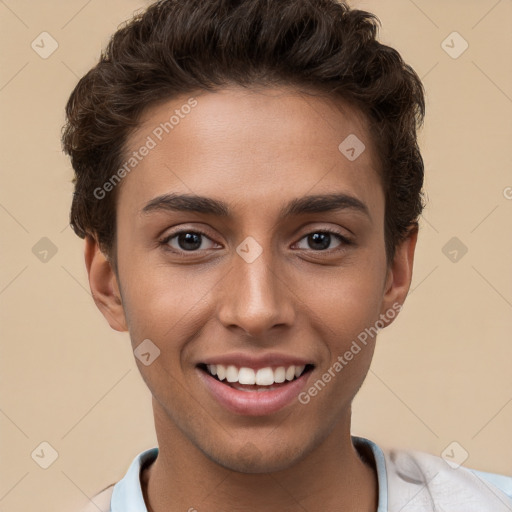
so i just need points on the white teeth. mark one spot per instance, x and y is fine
(262, 377)
(280, 374)
(232, 374)
(265, 377)
(221, 371)
(246, 376)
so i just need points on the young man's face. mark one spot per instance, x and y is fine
(252, 288)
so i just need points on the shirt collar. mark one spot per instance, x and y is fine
(127, 494)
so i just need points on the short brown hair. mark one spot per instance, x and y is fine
(176, 47)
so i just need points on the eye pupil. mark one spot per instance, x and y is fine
(189, 238)
(320, 238)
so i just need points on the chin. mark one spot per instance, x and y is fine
(252, 460)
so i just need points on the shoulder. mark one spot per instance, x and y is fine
(101, 501)
(420, 481)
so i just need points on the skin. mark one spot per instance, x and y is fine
(256, 150)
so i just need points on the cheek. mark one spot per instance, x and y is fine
(346, 314)
(347, 302)
(163, 304)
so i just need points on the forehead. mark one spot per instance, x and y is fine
(252, 146)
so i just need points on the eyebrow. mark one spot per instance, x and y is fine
(296, 207)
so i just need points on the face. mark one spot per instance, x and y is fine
(281, 265)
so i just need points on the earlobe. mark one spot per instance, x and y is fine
(399, 276)
(104, 287)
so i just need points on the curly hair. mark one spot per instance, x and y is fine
(175, 47)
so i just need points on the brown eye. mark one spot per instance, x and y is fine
(321, 240)
(187, 241)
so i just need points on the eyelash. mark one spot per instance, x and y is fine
(165, 241)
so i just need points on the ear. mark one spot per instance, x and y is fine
(104, 286)
(399, 277)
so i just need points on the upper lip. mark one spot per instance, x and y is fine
(243, 360)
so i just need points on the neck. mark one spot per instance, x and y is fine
(331, 478)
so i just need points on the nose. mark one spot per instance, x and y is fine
(255, 296)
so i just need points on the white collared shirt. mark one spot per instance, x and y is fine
(408, 481)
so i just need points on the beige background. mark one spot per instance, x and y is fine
(442, 373)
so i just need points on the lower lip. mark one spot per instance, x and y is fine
(254, 403)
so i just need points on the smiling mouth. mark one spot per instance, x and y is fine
(249, 379)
